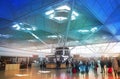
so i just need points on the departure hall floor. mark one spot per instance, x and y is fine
(36, 73)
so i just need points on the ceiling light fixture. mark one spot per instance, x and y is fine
(75, 13)
(54, 36)
(24, 27)
(49, 12)
(60, 14)
(63, 7)
(83, 31)
(94, 29)
(60, 18)
(16, 26)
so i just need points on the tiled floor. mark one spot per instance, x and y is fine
(36, 73)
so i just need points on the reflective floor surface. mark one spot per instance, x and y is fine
(36, 73)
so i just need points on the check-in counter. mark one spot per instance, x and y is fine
(50, 65)
(63, 66)
(12, 67)
(53, 65)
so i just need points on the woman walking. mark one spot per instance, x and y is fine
(115, 67)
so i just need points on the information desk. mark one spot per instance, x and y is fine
(12, 67)
(53, 65)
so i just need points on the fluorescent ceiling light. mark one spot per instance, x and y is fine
(64, 7)
(52, 36)
(93, 29)
(16, 26)
(60, 18)
(75, 13)
(31, 29)
(84, 31)
(51, 14)
(24, 27)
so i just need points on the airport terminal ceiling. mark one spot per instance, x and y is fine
(35, 24)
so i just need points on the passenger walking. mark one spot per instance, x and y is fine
(109, 65)
(87, 67)
(95, 68)
(68, 65)
(102, 65)
(82, 67)
(115, 67)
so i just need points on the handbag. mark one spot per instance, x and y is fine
(109, 70)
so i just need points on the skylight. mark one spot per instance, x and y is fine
(60, 14)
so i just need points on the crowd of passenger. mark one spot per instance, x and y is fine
(83, 66)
